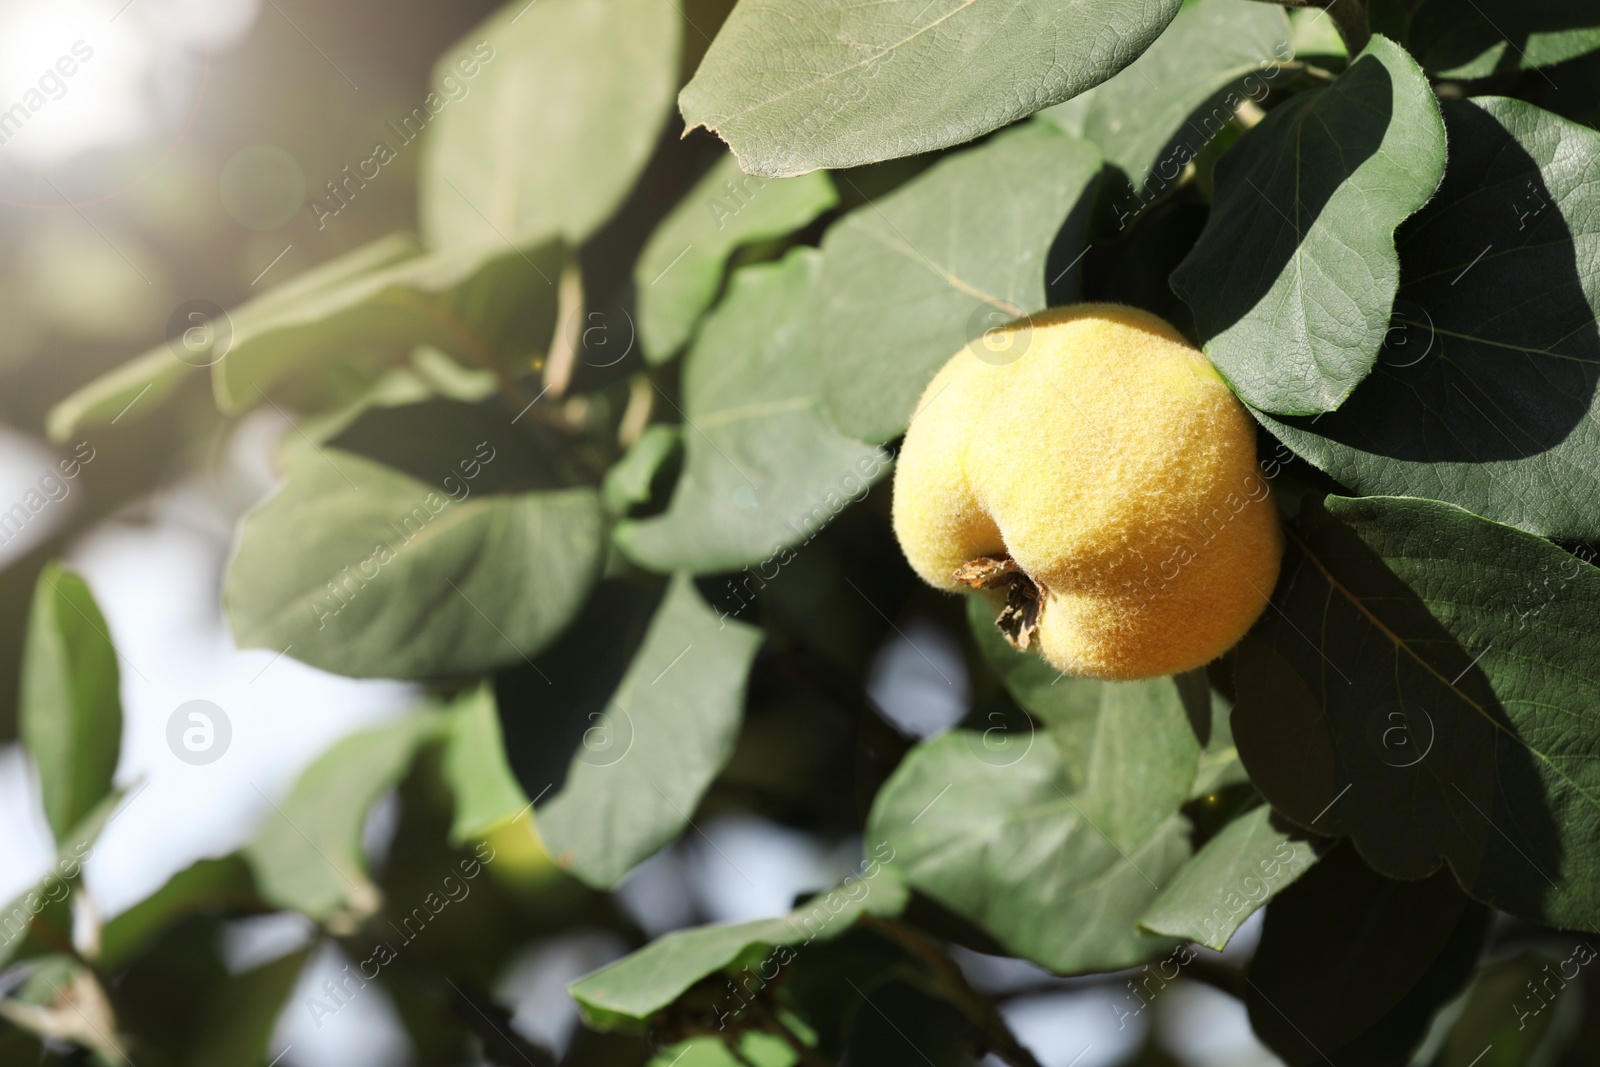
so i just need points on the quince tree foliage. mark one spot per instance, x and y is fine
(602, 462)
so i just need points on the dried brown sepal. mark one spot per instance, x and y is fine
(1019, 618)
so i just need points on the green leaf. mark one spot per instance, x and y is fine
(627, 484)
(559, 120)
(475, 766)
(756, 1049)
(1515, 1026)
(1054, 844)
(71, 715)
(1160, 112)
(627, 993)
(1476, 38)
(671, 724)
(763, 468)
(45, 903)
(236, 1024)
(1353, 966)
(359, 569)
(1247, 864)
(490, 305)
(1426, 684)
(157, 374)
(308, 855)
(1294, 277)
(680, 270)
(910, 279)
(1486, 393)
(207, 885)
(796, 85)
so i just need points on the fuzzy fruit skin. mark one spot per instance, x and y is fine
(1117, 468)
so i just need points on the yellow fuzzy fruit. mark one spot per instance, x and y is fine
(1101, 486)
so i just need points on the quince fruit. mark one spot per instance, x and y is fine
(1098, 484)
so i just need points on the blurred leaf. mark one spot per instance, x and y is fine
(1352, 965)
(560, 119)
(910, 279)
(1444, 712)
(755, 1050)
(491, 305)
(796, 85)
(207, 885)
(1054, 843)
(1486, 392)
(1502, 1024)
(1247, 864)
(45, 903)
(1310, 199)
(627, 483)
(627, 993)
(1201, 59)
(149, 379)
(1476, 38)
(236, 1024)
(71, 715)
(365, 571)
(669, 727)
(763, 468)
(680, 270)
(308, 856)
(160, 371)
(486, 792)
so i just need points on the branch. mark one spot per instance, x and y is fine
(953, 986)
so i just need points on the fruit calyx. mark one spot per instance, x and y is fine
(1020, 617)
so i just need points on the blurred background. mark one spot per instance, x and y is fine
(175, 163)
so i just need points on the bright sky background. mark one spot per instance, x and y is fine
(140, 81)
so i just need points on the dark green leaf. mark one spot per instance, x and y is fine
(910, 279)
(1425, 683)
(794, 85)
(359, 569)
(1251, 861)
(566, 105)
(71, 715)
(1485, 395)
(1293, 280)
(1352, 966)
(237, 1021)
(681, 268)
(1054, 843)
(638, 775)
(308, 855)
(1475, 38)
(1155, 111)
(630, 991)
(763, 468)
(208, 885)
(486, 792)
